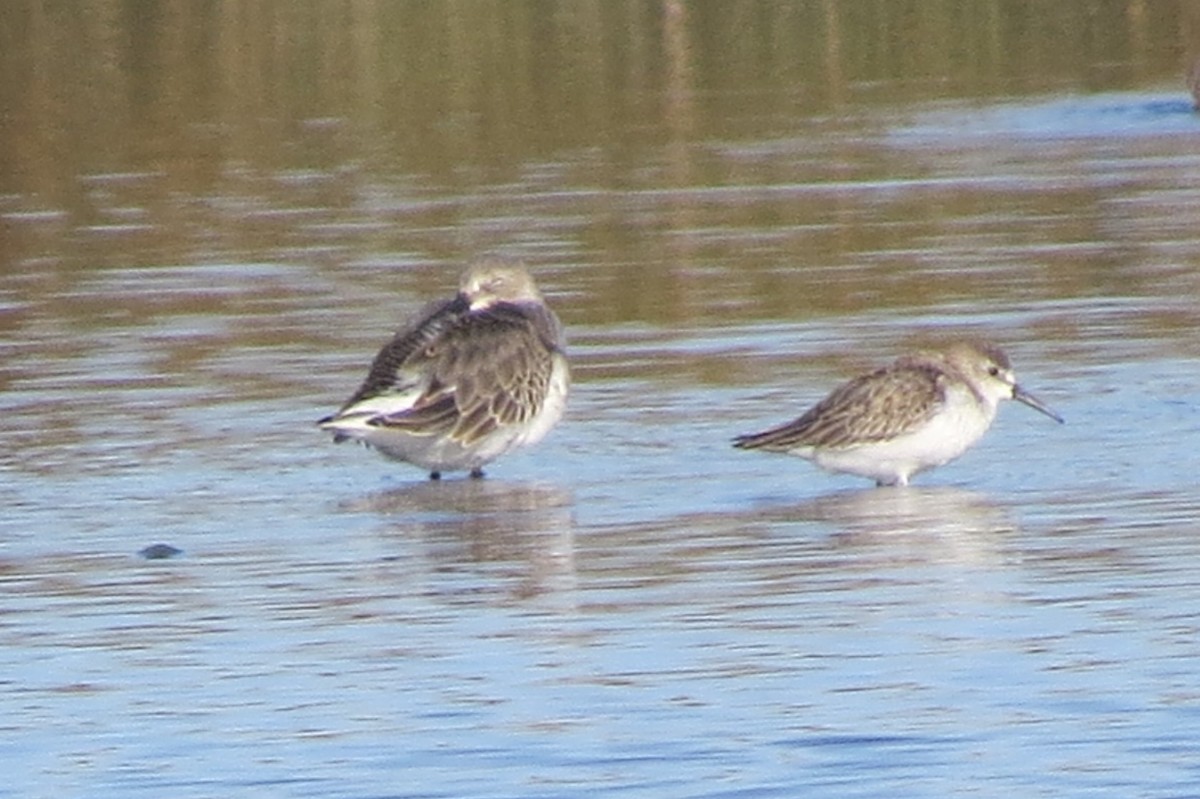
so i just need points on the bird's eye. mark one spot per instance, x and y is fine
(994, 371)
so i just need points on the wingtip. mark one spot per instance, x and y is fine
(326, 423)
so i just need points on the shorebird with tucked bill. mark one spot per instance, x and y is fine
(921, 411)
(468, 380)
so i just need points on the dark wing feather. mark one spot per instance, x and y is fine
(875, 407)
(391, 370)
(487, 369)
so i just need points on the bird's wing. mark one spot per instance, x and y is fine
(874, 407)
(392, 375)
(486, 369)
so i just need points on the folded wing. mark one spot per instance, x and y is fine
(875, 407)
(461, 373)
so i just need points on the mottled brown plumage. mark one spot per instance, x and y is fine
(873, 407)
(471, 378)
(480, 371)
(920, 411)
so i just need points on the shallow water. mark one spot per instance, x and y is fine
(632, 607)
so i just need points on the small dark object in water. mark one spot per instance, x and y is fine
(159, 552)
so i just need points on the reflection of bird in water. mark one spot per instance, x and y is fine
(1193, 81)
(921, 411)
(524, 530)
(925, 525)
(469, 380)
(941, 512)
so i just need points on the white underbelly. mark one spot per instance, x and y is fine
(945, 437)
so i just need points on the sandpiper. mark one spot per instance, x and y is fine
(919, 412)
(468, 380)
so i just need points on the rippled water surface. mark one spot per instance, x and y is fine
(632, 608)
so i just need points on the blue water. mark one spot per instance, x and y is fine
(634, 608)
(630, 609)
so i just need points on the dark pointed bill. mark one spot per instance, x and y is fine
(1023, 396)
